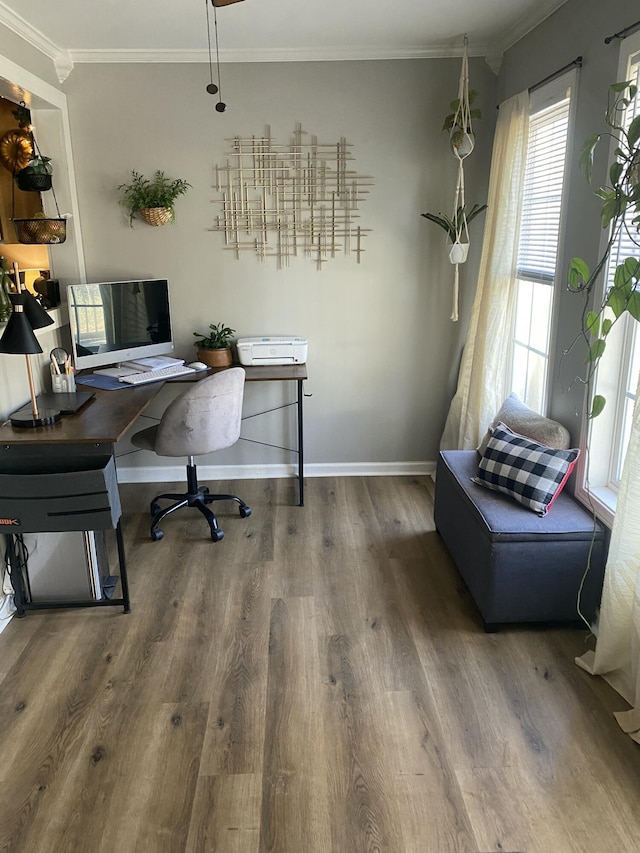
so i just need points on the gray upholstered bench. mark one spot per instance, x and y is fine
(518, 566)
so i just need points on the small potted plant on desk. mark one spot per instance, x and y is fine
(214, 349)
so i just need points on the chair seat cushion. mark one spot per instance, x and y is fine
(146, 438)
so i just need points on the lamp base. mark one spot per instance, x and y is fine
(25, 419)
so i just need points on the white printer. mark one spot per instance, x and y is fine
(282, 349)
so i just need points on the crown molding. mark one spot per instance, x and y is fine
(272, 54)
(64, 60)
(16, 23)
(543, 10)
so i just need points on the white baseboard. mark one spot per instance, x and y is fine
(175, 473)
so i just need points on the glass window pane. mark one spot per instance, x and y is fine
(519, 375)
(536, 382)
(538, 245)
(626, 433)
(635, 363)
(524, 295)
(540, 317)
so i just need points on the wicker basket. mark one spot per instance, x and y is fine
(156, 215)
(40, 230)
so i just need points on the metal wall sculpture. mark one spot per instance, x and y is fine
(288, 201)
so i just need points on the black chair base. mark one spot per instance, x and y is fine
(198, 497)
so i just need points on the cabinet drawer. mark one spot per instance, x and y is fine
(34, 501)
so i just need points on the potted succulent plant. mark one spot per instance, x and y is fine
(152, 198)
(214, 349)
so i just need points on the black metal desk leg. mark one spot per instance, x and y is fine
(300, 445)
(124, 582)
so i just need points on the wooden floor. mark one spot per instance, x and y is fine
(317, 682)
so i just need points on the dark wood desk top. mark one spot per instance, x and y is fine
(255, 372)
(268, 372)
(106, 417)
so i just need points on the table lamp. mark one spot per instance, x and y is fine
(18, 339)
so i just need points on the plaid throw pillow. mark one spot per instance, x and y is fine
(532, 473)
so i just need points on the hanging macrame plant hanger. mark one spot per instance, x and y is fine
(462, 144)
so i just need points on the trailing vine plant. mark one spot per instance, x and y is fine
(620, 212)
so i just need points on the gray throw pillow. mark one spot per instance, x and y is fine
(523, 420)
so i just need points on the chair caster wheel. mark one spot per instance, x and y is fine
(245, 511)
(156, 535)
(217, 535)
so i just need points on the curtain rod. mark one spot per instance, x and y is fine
(577, 61)
(627, 31)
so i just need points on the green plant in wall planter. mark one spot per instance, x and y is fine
(152, 198)
(620, 212)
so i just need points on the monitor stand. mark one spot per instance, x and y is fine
(116, 372)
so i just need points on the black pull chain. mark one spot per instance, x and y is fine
(212, 89)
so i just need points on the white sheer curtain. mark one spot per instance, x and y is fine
(482, 381)
(617, 654)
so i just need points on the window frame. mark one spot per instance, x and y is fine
(596, 483)
(543, 98)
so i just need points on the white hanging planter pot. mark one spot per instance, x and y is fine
(462, 142)
(458, 253)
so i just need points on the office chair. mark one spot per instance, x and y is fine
(204, 418)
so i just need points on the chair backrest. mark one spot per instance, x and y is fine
(206, 417)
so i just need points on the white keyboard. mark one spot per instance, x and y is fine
(157, 375)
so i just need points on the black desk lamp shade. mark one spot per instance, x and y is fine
(18, 339)
(36, 315)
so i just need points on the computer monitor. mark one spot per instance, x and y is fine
(118, 321)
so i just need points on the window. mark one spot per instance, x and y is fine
(538, 241)
(619, 368)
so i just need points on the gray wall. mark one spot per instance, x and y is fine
(577, 28)
(24, 54)
(382, 352)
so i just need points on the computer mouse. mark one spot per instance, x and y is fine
(198, 365)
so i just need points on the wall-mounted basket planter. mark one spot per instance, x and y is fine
(155, 215)
(41, 230)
